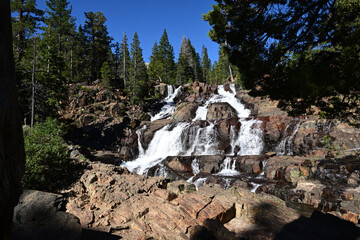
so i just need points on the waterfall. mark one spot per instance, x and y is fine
(228, 169)
(139, 133)
(194, 139)
(249, 139)
(223, 97)
(285, 147)
(166, 142)
(169, 108)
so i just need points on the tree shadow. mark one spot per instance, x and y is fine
(318, 226)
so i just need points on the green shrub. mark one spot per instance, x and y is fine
(46, 155)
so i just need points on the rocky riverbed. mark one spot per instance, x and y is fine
(208, 163)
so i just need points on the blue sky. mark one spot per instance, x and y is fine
(149, 18)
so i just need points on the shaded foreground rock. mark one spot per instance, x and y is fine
(42, 216)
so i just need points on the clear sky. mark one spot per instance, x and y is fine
(149, 18)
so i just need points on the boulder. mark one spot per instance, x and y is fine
(185, 112)
(42, 216)
(219, 111)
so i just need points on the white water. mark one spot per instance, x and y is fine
(169, 108)
(138, 133)
(223, 97)
(189, 138)
(285, 147)
(228, 169)
(249, 139)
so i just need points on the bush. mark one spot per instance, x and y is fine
(46, 155)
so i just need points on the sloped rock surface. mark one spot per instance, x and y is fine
(42, 216)
(110, 199)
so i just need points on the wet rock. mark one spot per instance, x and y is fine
(249, 164)
(151, 128)
(41, 215)
(185, 112)
(219, 111)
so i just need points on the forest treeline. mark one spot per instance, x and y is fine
(51, 52)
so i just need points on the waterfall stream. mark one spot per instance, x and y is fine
(191, 139)
(169, 108)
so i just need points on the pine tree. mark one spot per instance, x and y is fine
(97, 43)
(166, 52)
(25, 23)
(59, 34)
(188, 63)
(205, 65)
(138, 72)
(225, 71)
(124, 67)
(156, 66)
(117, 60)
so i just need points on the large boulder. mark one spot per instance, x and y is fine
(42, 216)
(185, 112)
(219, 111)
(12, 155)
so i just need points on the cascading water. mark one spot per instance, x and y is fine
(169, 108)
(138, 133)
(192, 138)
(223, 97)
(228, 169)
(285, 147)
(249, 139)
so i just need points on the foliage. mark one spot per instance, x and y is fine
(295, 52)
(205, 65)
(125, 61)
(189, 68)
(106, 74)
(46, 155)
(162, 66)
(97, 42)
(138, 73)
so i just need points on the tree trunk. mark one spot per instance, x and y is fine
(33, 87)
(12, 154)
(124, 67)
(231, 75)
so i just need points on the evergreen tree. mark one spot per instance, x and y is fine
(59, 35)
(138, 72)
(25, 23)
(188, 63)
(124, 67)
(97, 42)
(167, 59)
(205, 65)
(156, 66)
(117, 60)
(79, 56)
(225, 71)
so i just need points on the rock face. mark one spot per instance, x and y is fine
(185, 112)
(219, 111)
(42, 216)
(12, 156)
(109, 198)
